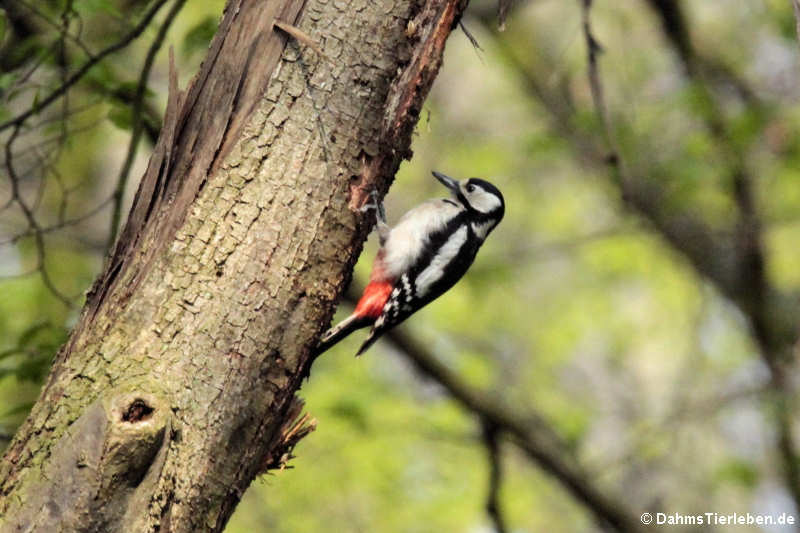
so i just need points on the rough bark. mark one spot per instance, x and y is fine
(176, 387)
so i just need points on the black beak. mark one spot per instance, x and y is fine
(447, 181)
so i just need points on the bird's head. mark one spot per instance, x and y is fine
(478, 196)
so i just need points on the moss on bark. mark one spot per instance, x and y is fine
(242, 236)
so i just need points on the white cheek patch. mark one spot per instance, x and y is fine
(483, 201)
(436, 269)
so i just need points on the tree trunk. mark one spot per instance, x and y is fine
(176, 387)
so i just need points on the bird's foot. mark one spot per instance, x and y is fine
(375, 204)
(380, 216)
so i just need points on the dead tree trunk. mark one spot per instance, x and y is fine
(177, 384)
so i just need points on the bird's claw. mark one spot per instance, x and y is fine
(375, 204)
(380, 216)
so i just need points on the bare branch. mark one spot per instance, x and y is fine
(472, 40)
(748, 231)
(61, 224)
(60, 28)
(303, 38)
(74, 78)
(33, 224)
(748, 287)
(530, 431)
(503, 8)
(492, 445)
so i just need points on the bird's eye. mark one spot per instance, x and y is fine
(470, 188)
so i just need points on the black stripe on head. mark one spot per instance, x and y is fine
(496, 214)
(463, 201)
(488, 187)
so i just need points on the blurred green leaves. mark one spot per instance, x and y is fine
(197, 38)
(27, 361)
(576, 306)
(739, 472)
(94, 7)
(30, 359)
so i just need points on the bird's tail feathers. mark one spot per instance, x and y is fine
(370, 340)
(341, 330)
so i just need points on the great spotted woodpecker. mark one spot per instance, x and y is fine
(421, 257)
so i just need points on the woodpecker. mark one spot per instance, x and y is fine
(422, 256)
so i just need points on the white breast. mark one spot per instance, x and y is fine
(408, 238)
(443, 257)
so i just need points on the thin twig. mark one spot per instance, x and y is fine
(74, 78)
(748, 286)
(303, 38)
(473, 41)
(492, 445)
(33, 224)
(76, 40)
(56, 138)
(593, 48)
(61, 224)
(529, 431)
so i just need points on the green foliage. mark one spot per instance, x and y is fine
(94, 7)
(199, 36)
(102, 75)
(577, 308)
(30, 358)
(740, 472)
(3, 26)
(121, 116)
(7, 79)
(26, 362)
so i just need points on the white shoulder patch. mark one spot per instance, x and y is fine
(408, 238)
(482, 229)
(435, 270)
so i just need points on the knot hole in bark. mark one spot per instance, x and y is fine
(137, 411)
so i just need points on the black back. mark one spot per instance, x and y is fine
(404, 299)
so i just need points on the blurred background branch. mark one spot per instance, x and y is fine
(493, 507)
(40, 104)
(529, 431)
(750, 289)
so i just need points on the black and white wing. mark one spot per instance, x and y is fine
(397, 308)
(433, 274)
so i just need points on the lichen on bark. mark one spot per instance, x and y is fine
(240, 241)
